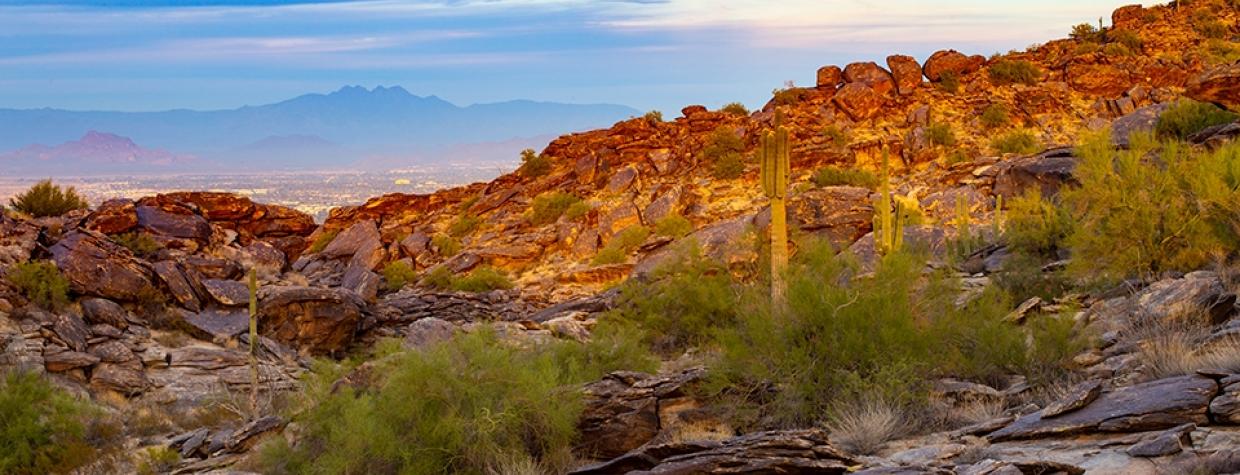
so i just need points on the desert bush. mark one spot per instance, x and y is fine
(862, 426)
(787, 96)
(141, 244)
(832, 175)
(548, 207)
(1086, 32)
(445, 245)
(41, 282)
(654, 117)
(723, 152)
(1013, 72)
(577, 210)
(995, 115)
(533, 164)
(482, 279)
(673, 226)
(1117, 49)
(323, 240)
(43, 429)
(1186, 117)
(1216, 51)
(837, 136)
(949, 81)
(1127, 38)
(1086, 48)
(1035, 224)
(1212, 28)
(681, 303)
(1021, 276)
(735, 108)
(463, 225)
(47, 199)
(1016, 141)
(957, 156)
(620, 245)
(157, 459)
(491, 405)
(941, 133)
(438, 278)
(397, 274)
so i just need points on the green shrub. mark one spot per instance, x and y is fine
(491, 405)
(832, 175)
(620, 245)
(1016, 141)
(46, 199)
(43, 429)
(158, 459)
(1128, 38)
(445, 245)
(577, 210)
(533, 164)
(463, 225)
(723, 151)
(735, 108)
(941, 133)
(397, 274)
(1212, 28)
(141, 244)
(654, 117)
(788, 96)
(995, 115)
(1086, 48)
(1022, 277)
(1035, 225)
(548, 207)
(1216, 51)
(1013, 72)
(482, 279)
(1186, 117)
(1086, 32)
(1117, 49)
(41, 282)
(1137, 217)
(958, 156)
(837, 136)
(681, 303)
(438, 278)
(949, 81)
(673, 226)
(323, 240)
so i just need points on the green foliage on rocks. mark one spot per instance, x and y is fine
(673, 226)
(141, 244)
(41, 282)
(1004, 71)
(548, 207)
(995, 116)
(723, 153)
(941, 134)
(482, 279)
(47, 199)
(445, 245)
(621, 245)
(533, 164)
(1186, 117)
(323, 240)
(43, 429)
(397, 274)
(735, 108)
(831, 175)
(1016, 141)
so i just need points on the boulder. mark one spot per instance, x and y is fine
(212, 267)
(211, 323)
(1079, 396)
(1220, 85)
(428, 331)
(362, 235)
(1140, 120)
(1154, 405)
(97, 310)
(1102, 80)
(622, 410)
(125, 379)
(842, 213)
(829, 77)
(178, 284)
(1048, 171)
(1168, 442)
(1128, 16)
(859, 101)
(61, 360)
(174, 222)
(951, 61)
(316, 320)
(229, 293)
(906, 72)
(415, 244)
(790, 451)
(871, 75)
(94, 265)
(1184, 296)
(362, 281)
(1226, 407)
(113, 216)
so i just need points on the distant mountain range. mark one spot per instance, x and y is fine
(354, 126)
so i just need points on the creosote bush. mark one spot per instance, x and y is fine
(831, 175)
(43, 429)
(489, 406)
(673, 226)
(1086, 32)
(735, 108)
(654, 117)
(621, 245)
(1016, 141)
(47, 199)
(577, 210)
(949, 81)
(1186, 117)
(141, 244)
(1127, 38)
(397, 274)
(445, 245)
(1035, 224)
(995, 116)
(533, 164)
(723, 153)
(463, 225)
(941, 134)
(548, 207)
(41, 282)
(482, 279)
(1007, 71)
(837, 136)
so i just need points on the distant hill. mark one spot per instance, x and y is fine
(315, 130)
(95, 152)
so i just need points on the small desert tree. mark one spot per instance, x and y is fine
(48, 199)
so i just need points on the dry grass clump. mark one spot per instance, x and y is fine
(862, 427)
(1173, 347)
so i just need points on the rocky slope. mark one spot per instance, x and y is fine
(163, 327)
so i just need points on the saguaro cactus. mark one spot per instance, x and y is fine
(253, 342)
(773, 154)
(888, 215)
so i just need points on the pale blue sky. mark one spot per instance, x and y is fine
(649, 54)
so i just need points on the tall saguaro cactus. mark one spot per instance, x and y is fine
(773, 154)
(888, 215)
(253, 284)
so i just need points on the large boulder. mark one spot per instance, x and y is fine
(97, 310)
(840, 213)
(792, 451)
(1139, 120)
(361, 236)
(94, 265)
(906, 72)
(1102, 80)
(870, 74)
(858, 100)
(1220, 85)
(176, 222)
(622, 411)
(1048, 171)
(951, 61)
(1154, 405)
(113, 217)
(829, 77)
(316, 320)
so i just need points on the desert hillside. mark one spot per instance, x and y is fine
(1022, 263)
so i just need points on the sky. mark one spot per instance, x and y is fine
(649, 54)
